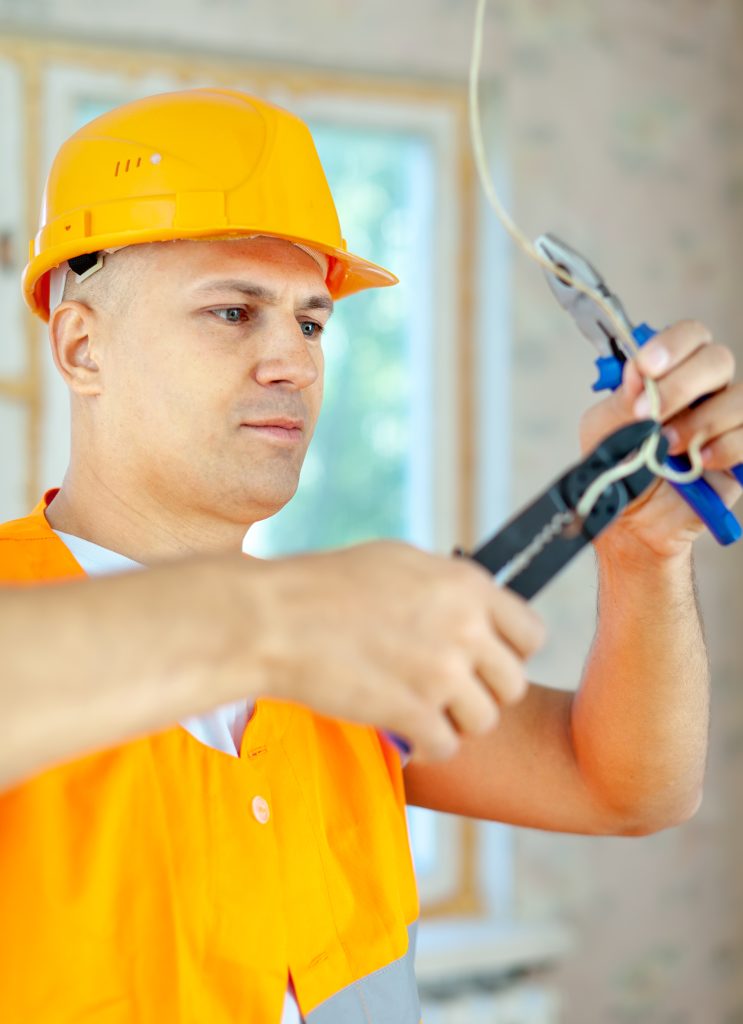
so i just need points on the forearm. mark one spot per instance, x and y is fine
(87, 665)
(640, 718)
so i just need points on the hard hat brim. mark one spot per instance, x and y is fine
(347, 273)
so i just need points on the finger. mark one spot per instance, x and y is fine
(671, 347)
(632, 384)
(707, 370)
(474, 711)
(725, 451)
(516, 623)
(714, 417)
(502, 672)
(387, 700)
(429, 732)
(726, 486)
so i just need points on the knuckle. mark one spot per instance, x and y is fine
(467, 574)
(475, 709)
(536, 633)
(674, 396)
(441, 740)
(514, 688)
(702, 428)
(503, 675)
(427, 731)
(727, 447)
(725, 358)
(523, 622)
(444, 677)
(469, 632)
(698, 330)
(487, 719)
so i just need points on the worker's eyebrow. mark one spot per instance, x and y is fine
(318, 302)
(261, 293)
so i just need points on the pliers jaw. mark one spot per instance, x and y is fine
(540, 541)
(592, 320)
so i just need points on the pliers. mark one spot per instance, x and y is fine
(601, 331)
(541, 539)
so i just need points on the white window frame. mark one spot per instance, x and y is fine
(12, 218)
(15, 393)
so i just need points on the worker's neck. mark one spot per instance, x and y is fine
(136, 524)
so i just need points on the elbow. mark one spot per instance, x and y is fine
(659, 817)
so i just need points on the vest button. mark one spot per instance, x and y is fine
(261, 810)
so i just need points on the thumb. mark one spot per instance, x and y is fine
(632, 386)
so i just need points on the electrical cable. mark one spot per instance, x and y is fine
(647, 455)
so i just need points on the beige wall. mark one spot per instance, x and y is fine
(622, 130)
(625, 134)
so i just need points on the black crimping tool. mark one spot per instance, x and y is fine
(540, 541)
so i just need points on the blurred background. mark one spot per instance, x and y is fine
(455, 397)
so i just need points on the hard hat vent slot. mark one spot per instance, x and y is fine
(127, 166)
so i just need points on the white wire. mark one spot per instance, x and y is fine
(647, 454)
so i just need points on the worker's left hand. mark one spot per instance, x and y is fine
(686, 364)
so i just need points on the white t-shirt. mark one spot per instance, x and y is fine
(221, 729)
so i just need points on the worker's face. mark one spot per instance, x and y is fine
(212, 377)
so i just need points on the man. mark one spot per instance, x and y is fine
(187, 263)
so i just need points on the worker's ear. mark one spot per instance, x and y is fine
(72, 335)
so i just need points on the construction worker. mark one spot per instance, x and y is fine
(252, 863)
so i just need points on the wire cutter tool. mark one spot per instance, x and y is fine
(540, 540)
(600, 330)
(533, 546)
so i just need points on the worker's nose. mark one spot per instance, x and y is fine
(288, 357)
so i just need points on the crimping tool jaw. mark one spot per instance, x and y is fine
(541, 539)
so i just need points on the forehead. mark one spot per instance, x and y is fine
(270, 260)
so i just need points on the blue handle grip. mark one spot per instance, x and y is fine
(700, 495)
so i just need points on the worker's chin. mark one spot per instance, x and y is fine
(263, 502)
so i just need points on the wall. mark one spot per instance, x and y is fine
(625, 133)
(619, 129)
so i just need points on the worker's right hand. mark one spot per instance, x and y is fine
(422, 646)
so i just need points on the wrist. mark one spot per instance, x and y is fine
(645, 593)
(243, 648)
(620, 547)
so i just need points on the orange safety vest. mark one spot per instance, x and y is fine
(163, 882)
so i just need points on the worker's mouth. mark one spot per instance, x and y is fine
(280, 428)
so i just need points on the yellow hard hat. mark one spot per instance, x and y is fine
(202, 163)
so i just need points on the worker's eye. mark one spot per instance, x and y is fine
(232, 314)
(311, 329)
